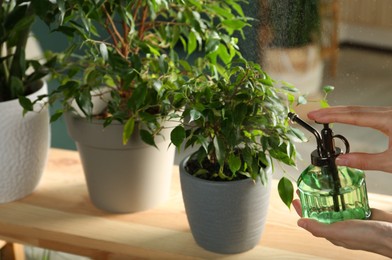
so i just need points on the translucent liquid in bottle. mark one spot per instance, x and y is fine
(322, 201)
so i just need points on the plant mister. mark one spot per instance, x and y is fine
(331, 193)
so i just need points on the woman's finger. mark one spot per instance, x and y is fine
(297, 206)
(365, 161)
(374, 117)
(380, 215)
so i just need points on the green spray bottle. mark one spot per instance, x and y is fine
(331, 193)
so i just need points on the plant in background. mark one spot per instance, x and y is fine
(140, 51)
(239, 120)
(292, 23)
(18, 75)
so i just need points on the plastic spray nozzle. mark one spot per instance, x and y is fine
(293, 117)
(326, 149)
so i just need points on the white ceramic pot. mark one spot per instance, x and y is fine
(25, 142)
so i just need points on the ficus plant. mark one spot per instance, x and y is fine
(141, 51)
(18, 75)
(239, 122)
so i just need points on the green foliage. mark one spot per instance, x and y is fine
(143, 50)
(293, 23)
(286, 191)
(326, 89)
(17, 74)
(239, 121)
(174, 59)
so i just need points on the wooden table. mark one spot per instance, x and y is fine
(60, 216)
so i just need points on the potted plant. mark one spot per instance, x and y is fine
(291, 32)
(128, 56)
(25, 139)
(239, 122)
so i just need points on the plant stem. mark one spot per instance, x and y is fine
(112, 29)
(18, 68)
(142, 26)
(136, 10)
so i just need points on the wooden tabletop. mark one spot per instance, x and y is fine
(60, 216)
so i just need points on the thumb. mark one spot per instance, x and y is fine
(380, 215)
(365, 161)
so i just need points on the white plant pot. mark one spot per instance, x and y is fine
(25, 144)
(99, 97)
(303, 67)
(122, 178)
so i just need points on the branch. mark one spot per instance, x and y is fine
(115, 42)
(126, 30)
(136, 10)
(142, 26)
(116, 36)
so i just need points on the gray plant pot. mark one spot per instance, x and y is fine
(225, 217)
(122, 178)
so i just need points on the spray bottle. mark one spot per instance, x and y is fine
(331, 193)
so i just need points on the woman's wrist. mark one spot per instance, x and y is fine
(386, 239)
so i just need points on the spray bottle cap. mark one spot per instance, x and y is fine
(326, 152)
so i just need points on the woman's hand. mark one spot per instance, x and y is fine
(379, 118)
(373, 235)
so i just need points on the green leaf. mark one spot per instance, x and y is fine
(26, 104)
(177, 135)
(221, 11)
(219, 150)
(298, 135)
(18, 26)
(17, 87)
(104, 51)
(232, 24)
(147, 117)
(263, 176)
(147, 137)
(56, 115)
(328, 89)
(128, 130)
(240, 113)
(157, 84)
(224, 54)
(212, 45)
(204, 142)
(286, 191)
(324, 103)
(200, 172)
(83, 99)
(237, 7)
(302, 100)
(194, 115)
(68, 31)
(192, 43)
(94, 78)
(138, 96)
(185, 65)
(234, 163)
